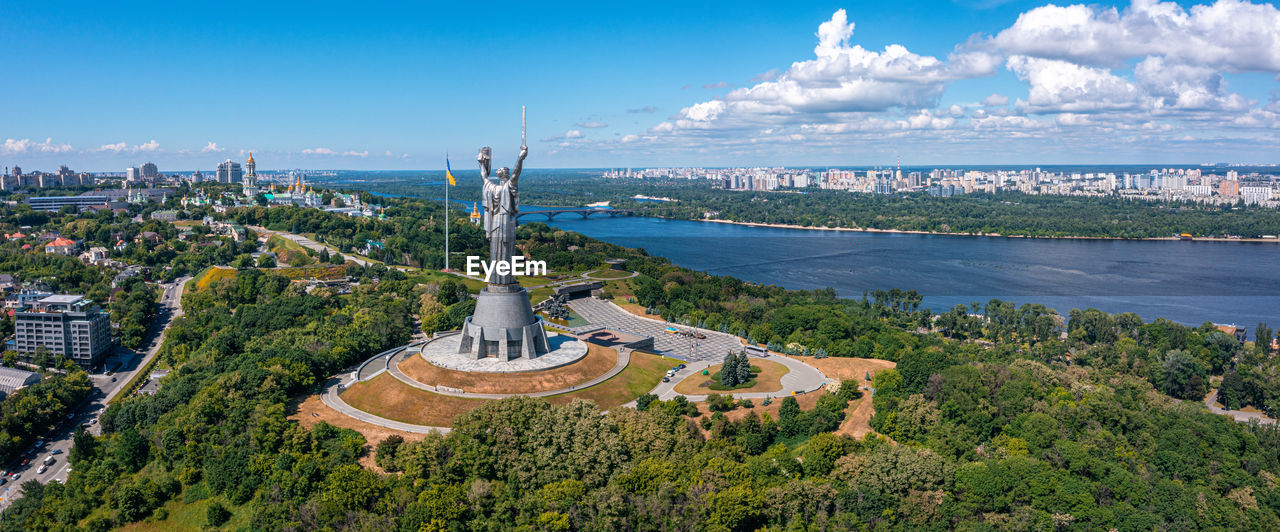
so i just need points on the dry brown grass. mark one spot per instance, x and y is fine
(857, 419)
(768, 380)
(312, 410)
(642, 374)
(385, 396)
(633, 308)
(806, 401)
(846, 368)
(599, 360)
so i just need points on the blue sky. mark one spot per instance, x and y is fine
(331, 85)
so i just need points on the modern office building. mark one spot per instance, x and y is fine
(67, 325)
(53, 203)
(229, 172)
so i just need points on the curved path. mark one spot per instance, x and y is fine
(802, 378)
(587, 275)
(1238, 415)
(332, 399)
(393, 366)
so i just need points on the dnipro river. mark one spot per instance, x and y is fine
(1188, 282)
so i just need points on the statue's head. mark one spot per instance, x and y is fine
(504, 172)
(484, 152)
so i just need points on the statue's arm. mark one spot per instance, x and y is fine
(483, 159)
(515, 173)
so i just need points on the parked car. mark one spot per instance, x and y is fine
(42, 469)
(50, 460)
(666, 379)
(56, 451)
(39, 444)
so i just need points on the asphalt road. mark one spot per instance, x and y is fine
(124, 362)
(308, 243)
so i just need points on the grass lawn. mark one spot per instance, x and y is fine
(608, 274)
(191, 516)
(538, 294)
(599, 360)
(643, 373)
(387, 397)
(767, 379)
(289, 251)
(211, 274)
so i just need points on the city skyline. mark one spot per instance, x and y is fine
(941, 83)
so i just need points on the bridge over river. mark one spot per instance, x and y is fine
(585, 212)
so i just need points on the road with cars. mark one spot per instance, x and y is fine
(117, 371)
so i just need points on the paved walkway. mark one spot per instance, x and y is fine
(587, 275)
(1238, 415)
(393, 366)
(607, 314)
(802, 378)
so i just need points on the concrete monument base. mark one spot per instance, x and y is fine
(503, 326)
(444, 352)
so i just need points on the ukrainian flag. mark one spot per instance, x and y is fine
(448, 173)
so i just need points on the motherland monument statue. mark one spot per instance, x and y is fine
(503, 324)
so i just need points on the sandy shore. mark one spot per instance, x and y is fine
(910, 232)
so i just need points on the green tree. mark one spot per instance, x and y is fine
(217, 514)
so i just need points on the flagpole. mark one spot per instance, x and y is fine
(446, 215)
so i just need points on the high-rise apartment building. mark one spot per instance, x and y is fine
(149, 170)
(229, 172)
(67, 325)
(1229, 188)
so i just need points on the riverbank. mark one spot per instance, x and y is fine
(913, 232)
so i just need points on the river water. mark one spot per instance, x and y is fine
(1188, 282)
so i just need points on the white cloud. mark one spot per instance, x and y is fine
(592, 124)
(716, 85)
(121, 147)
(356, 153)
(1186, 87)
(13, 146)
(1230, 35)
(571, 134)
(768, 75)
(318, 151)
(840, 83)
(1062, 86)
(388, 154)
(648, 109)
(995, 100)
(211, 147)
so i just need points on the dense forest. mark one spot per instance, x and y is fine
(996, 417)
(1006, 213)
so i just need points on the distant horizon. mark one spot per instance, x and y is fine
(719, 167)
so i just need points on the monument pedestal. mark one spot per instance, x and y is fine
(503, 326)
